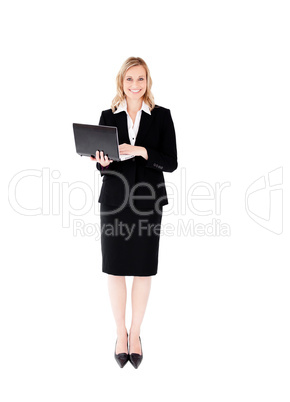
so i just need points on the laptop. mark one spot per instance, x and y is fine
(89, 139)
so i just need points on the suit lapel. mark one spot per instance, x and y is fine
(121, 124)
(145, 123)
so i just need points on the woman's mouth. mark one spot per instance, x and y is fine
(135, 91)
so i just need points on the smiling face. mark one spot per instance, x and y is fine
(134, 83)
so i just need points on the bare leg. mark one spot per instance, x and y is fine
(118, 296)
(140, 294)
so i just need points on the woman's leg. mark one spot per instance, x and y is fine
(140, 294)
(118, 295)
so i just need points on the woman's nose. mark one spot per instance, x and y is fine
(135, 84)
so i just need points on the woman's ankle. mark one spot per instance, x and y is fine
(121, 331)
(134, 331)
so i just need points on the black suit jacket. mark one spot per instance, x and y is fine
(137, 180)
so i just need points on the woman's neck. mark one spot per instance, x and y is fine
(134, 105)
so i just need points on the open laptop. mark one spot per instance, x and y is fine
(89, 139)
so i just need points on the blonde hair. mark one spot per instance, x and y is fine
(148, 96)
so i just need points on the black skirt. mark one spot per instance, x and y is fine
(129, 240)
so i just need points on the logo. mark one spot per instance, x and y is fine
(264, 201)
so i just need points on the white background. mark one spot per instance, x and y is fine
(217, 321)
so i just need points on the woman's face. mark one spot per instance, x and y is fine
(134, 83)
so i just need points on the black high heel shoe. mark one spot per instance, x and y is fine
(135, 358)
(121, 358)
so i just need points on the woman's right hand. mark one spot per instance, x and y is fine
(102, 159)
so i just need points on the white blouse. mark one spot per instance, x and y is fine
(133, 130)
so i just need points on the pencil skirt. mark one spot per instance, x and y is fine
(130, 240)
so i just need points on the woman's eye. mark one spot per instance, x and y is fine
(129, 79)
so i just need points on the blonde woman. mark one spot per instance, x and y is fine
(132, 197)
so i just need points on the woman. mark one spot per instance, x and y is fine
(132, 197)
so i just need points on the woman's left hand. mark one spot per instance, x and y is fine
(127, 149)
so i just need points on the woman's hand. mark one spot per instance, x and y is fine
(102, 159)
(127, 149)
